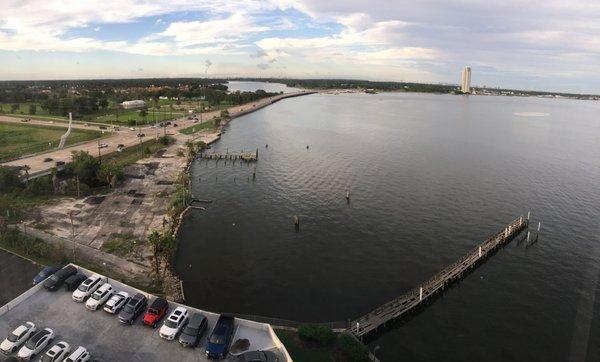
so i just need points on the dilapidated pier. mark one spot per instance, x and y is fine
(243, 156)
(414, 298)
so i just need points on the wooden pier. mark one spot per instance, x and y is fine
(243, 156)
(411, 300)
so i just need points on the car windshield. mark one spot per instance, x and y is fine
(96, 296)
(13, 337)
(128, 308)
(217, 339)
(191, 331)
(152, 311)
(169, 323)
(83, 288)
(55, 277)
(31, 343)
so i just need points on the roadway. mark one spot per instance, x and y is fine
(124, 136)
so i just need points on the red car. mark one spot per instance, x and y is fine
(155, 312)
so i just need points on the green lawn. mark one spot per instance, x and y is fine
(300, 353)
(132, 154)
(197, 127)
(22, 139)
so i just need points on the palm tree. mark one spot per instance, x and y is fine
(155, 240)
(26, 168)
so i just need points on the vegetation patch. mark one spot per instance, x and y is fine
(318, 333)
(319, 343)
(122, 245)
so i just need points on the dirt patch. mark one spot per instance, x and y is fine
(94, 200)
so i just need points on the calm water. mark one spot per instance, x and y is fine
(243, 86)
(430, 177)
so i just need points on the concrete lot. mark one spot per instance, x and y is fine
(16, 275)
(107, 339)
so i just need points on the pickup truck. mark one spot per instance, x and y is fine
(220, 338)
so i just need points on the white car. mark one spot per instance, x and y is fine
(103, 145)
(100, 296)
(177, 319)
(17, 337)
(87, 288)
(57, 353)
(80, 355)
(116, 302)
(36, 344)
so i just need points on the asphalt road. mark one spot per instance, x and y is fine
(16, 276)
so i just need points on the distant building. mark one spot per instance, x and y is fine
(465, 84)
(133, 104)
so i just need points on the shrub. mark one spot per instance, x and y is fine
(353, 349)
(317, 333)
(9, 178)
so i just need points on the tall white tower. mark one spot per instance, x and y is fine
(465, 85)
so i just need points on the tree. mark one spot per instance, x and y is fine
(103, 103)
(26, 169)
(109, 173)
(143, 112)
(84, 166)
(32, 109)
(224, 114)
(154, 239)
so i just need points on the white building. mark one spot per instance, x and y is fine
(134, 104)
(465, 84)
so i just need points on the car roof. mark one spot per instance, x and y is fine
(104, 287)
(92, 278)
(196, 319)
(137, 297)
(20, 329)
(40, 334)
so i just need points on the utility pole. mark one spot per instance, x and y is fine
(99, 155)
(72, 232)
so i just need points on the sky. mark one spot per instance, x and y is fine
(541, 45)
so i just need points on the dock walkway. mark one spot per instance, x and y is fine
(414, 298)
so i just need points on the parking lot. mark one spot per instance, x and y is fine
(108, 340)
(15, 276)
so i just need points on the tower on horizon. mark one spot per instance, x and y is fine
(465, 85)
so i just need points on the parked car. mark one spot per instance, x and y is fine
(100, 296)
(140, 135)
(116, 302)
(86, 124)
(155, 312)
(17, 337)
(57, 353)
(79, 355)
(102, 127)
(259, 356)
(218, 342)
(48, 159)
(131, 129)
(45, 273)
(174, 323)
(57, 279)
(103, 145)
(36, 344)
(193, 331)
(133, 309)
(86, 288)
(175, 125)
(74, 281)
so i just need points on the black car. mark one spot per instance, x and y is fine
(259, 356)
(191, 334)
(57, 279)
(133, 309)
(73, 282)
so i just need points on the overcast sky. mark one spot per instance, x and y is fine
(551, 45)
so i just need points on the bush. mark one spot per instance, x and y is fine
(9, 178)
(317, 333)
(353, 349)
(25, 244)
(166, 140)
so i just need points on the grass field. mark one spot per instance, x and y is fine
(22, 139)
(198, 127)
